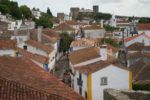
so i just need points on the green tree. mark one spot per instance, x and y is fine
(44, 21)
(4, 9)
(110, 28)
(109, 41)
(4, 6)
(49, 13)
(65, 42)
(144, 20)
(14, 10)
(26, 12)
(4, 2)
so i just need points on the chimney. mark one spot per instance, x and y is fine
(103, 52)
(15, 31)
(39, 33)
(102, 24)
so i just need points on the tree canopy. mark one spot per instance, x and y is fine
(45, 22)
(10, 7)
(25, 11)
(65, 42)
(144, 20)
(109, 41)
(49, 13)
(110, 28)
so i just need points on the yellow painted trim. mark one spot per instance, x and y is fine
(130, 80)
(89, 87)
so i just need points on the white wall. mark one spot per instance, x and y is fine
(10, 52)
(52, 60)
(20, 39)
(147, 32)
(75, 48)
(138, 39)
(94, 33)
(84, 84)
(33, 49)
(117, 79)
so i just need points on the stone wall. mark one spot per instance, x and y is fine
(112, 94)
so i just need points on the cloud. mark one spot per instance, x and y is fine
(119, 7)
(106, 1)
(144, 1)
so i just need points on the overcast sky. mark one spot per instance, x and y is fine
(118, 7)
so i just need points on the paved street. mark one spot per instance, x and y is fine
(61, 66)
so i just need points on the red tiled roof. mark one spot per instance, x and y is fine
(123, 21)
(8, 44)
(52, 35)
(82, 55)
(26, 72)
(39, 45)
(144, 26)
(83, 42)
(136, 47)
(131, 38)
(64, 27)
(92, 27)
(11, 90)
(36, 57)
(91, 68)
(140, 71)
(72, 22)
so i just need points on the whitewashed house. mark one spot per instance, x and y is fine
(40, 49)
(92, 72)
(20, 35)
(90, 80)
(144, 28)
(8, 48)
(63, 27)
(14, 24)
(94, 31)
(141, 38)
(36, 13)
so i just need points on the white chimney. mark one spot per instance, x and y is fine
(39, 33)
(15, 31)
(103, 52)
(102, 24)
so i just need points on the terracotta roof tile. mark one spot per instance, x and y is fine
(144, 26)
(36, 57)
(64, 27)
(140, 71)
(39, 45)
(92, 27)
(26, 72)
(83, 42)
(123, 21)
(84, 55)
(15, 90)
(91, 68)
(135, 47)
(8, 44)
(114, 49)
(131, 38)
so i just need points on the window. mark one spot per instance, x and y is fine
(25, 47)
(104, 81)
